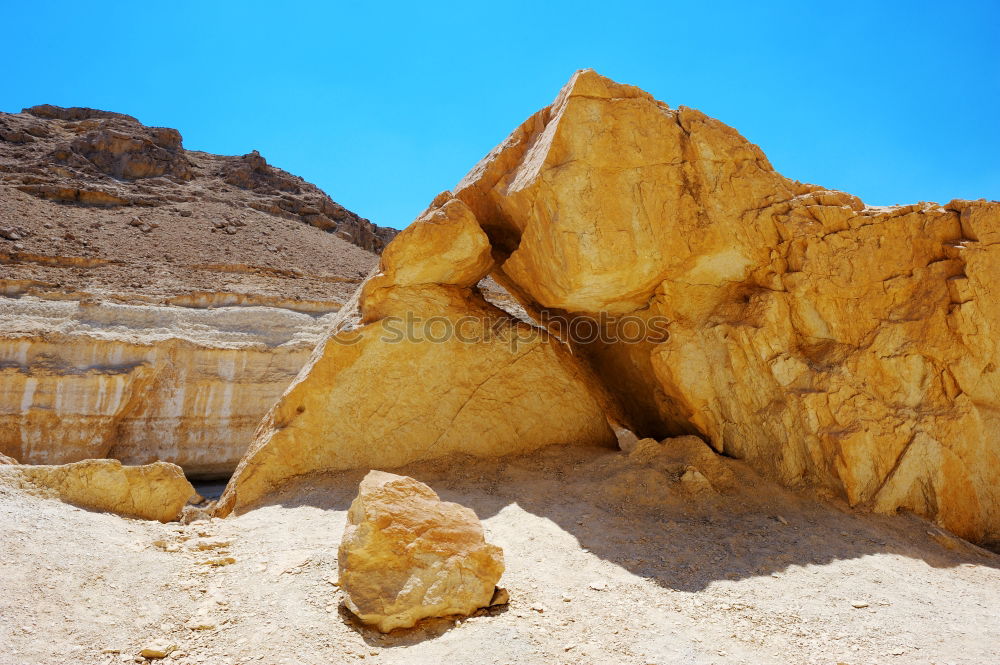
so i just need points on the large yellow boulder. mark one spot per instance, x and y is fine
(406, 555)
(438, 371)
(444, 246)
(825, 341)
(155, 491)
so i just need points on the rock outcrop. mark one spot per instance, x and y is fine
(431, 369)
(155, 491)
(827, 342)
(143, 383)
(86, 156)
(406, 555)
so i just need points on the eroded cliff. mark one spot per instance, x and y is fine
(155, 301)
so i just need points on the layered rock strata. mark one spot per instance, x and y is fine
(155, 301)
(143, 383)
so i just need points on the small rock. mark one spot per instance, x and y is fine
(203, 544)
(781, 519)
(500, 596)
(599, 586)
(199, 623)
(626, 439)
(694, 480)
(858, 604)
(158, 649)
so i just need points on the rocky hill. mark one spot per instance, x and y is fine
(157, 299)
(81, 188)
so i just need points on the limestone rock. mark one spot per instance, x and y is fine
(115, 346)
(7, 460)
(444, 246)
(370, 397)
(143, 383)
(157, 649)
(824, 341)
(441, 371)
(406, 555)
(155, 491)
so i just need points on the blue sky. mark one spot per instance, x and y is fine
(385, 104)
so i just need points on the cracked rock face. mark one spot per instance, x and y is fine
(406, 555)
(431, 369)
(829, 343)
(826, 342)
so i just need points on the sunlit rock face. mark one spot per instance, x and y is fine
(372, 398)
(827, 342)
(155, 491)
(143, 383)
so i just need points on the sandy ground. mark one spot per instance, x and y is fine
(608, 561)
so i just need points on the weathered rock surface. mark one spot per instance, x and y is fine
(436, 370)
(4, 459)
(155, 491)
(143, 383)
(443, 247)
(406, 555)
(154, 301)
(826, 342)
(86, 156)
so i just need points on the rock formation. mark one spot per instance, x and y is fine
(143, 383)
(406, 555)
(155, 301)
(155, 491)
(827, 342)
(432, 369)
(92, 157)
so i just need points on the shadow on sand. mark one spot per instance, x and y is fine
(645, 521)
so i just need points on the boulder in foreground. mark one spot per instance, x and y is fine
(155, 491)
(407, 555)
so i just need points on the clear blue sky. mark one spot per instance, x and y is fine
(385, 104)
